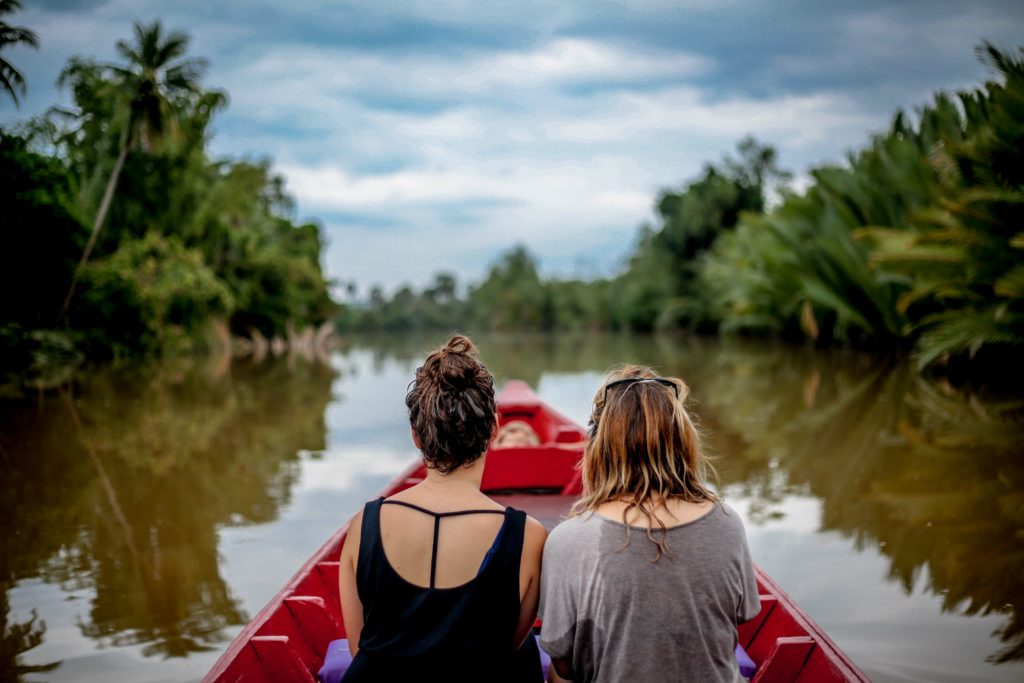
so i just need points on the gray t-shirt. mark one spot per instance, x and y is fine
(619, 616)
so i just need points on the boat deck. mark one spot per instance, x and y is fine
(548, 509)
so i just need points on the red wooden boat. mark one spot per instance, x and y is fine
(288, 639)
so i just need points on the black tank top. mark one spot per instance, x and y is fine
(463, 633)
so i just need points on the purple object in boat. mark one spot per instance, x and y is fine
(336, 663)
(747, 666)
(339, 659)
(545, 659)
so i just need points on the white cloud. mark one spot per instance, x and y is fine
(544, 165)
(439, 154)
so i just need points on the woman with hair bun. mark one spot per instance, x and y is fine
(439, 582)
(649, 577)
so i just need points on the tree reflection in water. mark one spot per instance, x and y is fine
(17, 638)
(120, 485)
(929, 475)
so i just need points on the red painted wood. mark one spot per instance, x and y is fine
(820, 668)
(285, 641)
(778, 623)
(328, 572)
(749, 629)
(530, 467)
(278, 658)
(786, 660)
(318, 625)
(281, 622)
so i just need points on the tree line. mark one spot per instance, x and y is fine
(123, 237)
(914, 242)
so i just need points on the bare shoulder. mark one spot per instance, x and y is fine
(352, 535)
(535, 531)
(534, 537)
(357, 522)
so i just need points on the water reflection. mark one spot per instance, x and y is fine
(119, 484)
(16, 638)
(116, 488)
(930, 476)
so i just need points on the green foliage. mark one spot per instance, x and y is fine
(40, 240)
(913, 241)
(152, 293)
(40, 236)
(189, 240)
(660, 287)
(512, 296)
(11, 79)
(641, 293)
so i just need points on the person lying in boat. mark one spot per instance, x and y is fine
(439, 582)
(649, 577)
(514, 434)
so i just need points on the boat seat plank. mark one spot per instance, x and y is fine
(529, 467)
(328, 572)
(749, 629)
(820, 667)
(319, 583)
(318, 625)
(777, 624)
(279, 659)
(281, 622)
(786, 660)
(245, 668)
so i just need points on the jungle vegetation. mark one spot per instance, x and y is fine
(123, 237)
(912, 242)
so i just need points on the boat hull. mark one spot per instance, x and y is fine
(288, 639)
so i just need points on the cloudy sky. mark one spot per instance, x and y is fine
(429, 136)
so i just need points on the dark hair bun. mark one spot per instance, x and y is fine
(451, 405)
(455, 366)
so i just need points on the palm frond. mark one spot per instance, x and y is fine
(11, 80)
(960, 331)
(1011, 285)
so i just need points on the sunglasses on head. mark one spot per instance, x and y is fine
(633, 380)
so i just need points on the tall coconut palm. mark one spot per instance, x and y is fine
(154, 83)
(11, 79)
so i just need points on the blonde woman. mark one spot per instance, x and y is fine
(648, 578)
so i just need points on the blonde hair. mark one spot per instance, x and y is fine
(642, 448)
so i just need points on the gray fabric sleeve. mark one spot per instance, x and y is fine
(750, 602)
(557, 600)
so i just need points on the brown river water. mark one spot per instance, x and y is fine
(148, 511)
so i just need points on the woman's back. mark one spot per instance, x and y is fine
(625, 615)
(431, 619)
(408, 531)
(439, 581)
(654, 590)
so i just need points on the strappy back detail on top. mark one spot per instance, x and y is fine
(438, 516)
(445, 634)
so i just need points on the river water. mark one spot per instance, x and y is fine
(149, 511)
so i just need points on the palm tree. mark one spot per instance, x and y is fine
(154, 83)
(10, 78)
